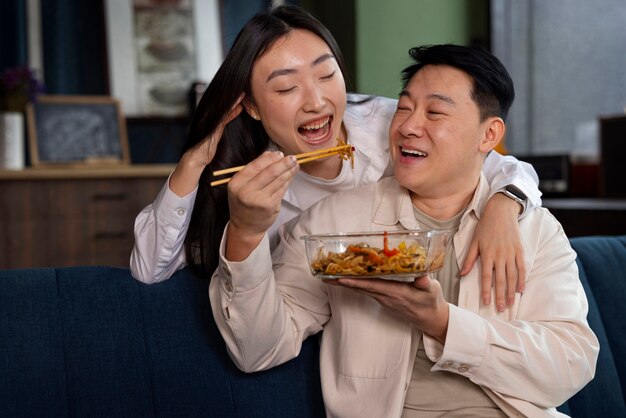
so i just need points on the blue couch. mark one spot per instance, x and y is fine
(93, 342)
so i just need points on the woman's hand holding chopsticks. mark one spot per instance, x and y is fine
(254, 199)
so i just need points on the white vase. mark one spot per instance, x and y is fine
(11, 140)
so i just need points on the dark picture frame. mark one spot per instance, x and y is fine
(76, 130)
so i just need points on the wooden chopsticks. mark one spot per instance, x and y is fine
(344, 151)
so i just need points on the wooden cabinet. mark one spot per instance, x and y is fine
(73, 217)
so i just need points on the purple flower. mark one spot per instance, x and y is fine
(20, 83)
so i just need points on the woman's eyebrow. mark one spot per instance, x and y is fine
(322, 58)
(287, 71)
(277, 73)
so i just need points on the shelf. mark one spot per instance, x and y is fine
(582, 204)
(95, 172)
(589, 216)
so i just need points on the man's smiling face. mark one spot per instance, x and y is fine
(436, 132)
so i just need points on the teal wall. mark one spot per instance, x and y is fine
(385, 31)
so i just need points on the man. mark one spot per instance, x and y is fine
(426, 348)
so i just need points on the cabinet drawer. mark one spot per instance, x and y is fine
(81, 242)
(71, 221)
(89, 198)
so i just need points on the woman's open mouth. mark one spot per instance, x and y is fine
(318, 131)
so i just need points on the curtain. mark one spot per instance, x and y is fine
(74, 47)
(13, 46)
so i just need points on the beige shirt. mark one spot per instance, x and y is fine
(428, 395)
(528, 359)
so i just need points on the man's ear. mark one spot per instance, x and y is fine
(494, 132)
(251, 108)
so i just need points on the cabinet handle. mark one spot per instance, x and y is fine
(110, 196)
(110, 235)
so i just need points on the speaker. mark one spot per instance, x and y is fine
(612, 152)
(554, 173)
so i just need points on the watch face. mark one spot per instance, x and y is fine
(515, 192)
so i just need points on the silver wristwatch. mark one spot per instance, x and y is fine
(513, 192)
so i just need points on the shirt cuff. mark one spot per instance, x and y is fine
(173, 209)
(246, 275)
(465, 346)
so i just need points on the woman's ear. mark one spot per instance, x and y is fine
(494, 132)
(251, 108)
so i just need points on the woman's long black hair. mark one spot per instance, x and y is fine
(244, 138)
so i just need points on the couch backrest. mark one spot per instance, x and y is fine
(602, 265)
(93, 342)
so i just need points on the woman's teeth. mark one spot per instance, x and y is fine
(316, 130)
(316, 125)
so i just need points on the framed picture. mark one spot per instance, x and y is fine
(76, 130)
(157, 49)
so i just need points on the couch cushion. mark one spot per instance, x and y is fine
(189, 365)
(602, 396)
(32, 370)
(604, 261)
(92, 341)
(292, 388)
(192, 374)
(601, 261)
(104, 346)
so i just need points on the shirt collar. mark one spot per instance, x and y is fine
(353, 120)
(478, 202)
(394, 204)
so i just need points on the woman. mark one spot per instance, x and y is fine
(281, 87)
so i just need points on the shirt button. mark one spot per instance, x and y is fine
(464, 368)
(228, 286)
(446, 364)
(180, 212)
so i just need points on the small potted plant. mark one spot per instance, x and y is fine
(18, 86)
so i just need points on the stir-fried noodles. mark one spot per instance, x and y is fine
(363, 260)
(346, 153)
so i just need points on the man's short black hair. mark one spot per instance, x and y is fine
(493, 87)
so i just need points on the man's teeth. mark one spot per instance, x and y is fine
(317, 125)
(414, 152)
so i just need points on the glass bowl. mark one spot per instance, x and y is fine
(396, 255)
